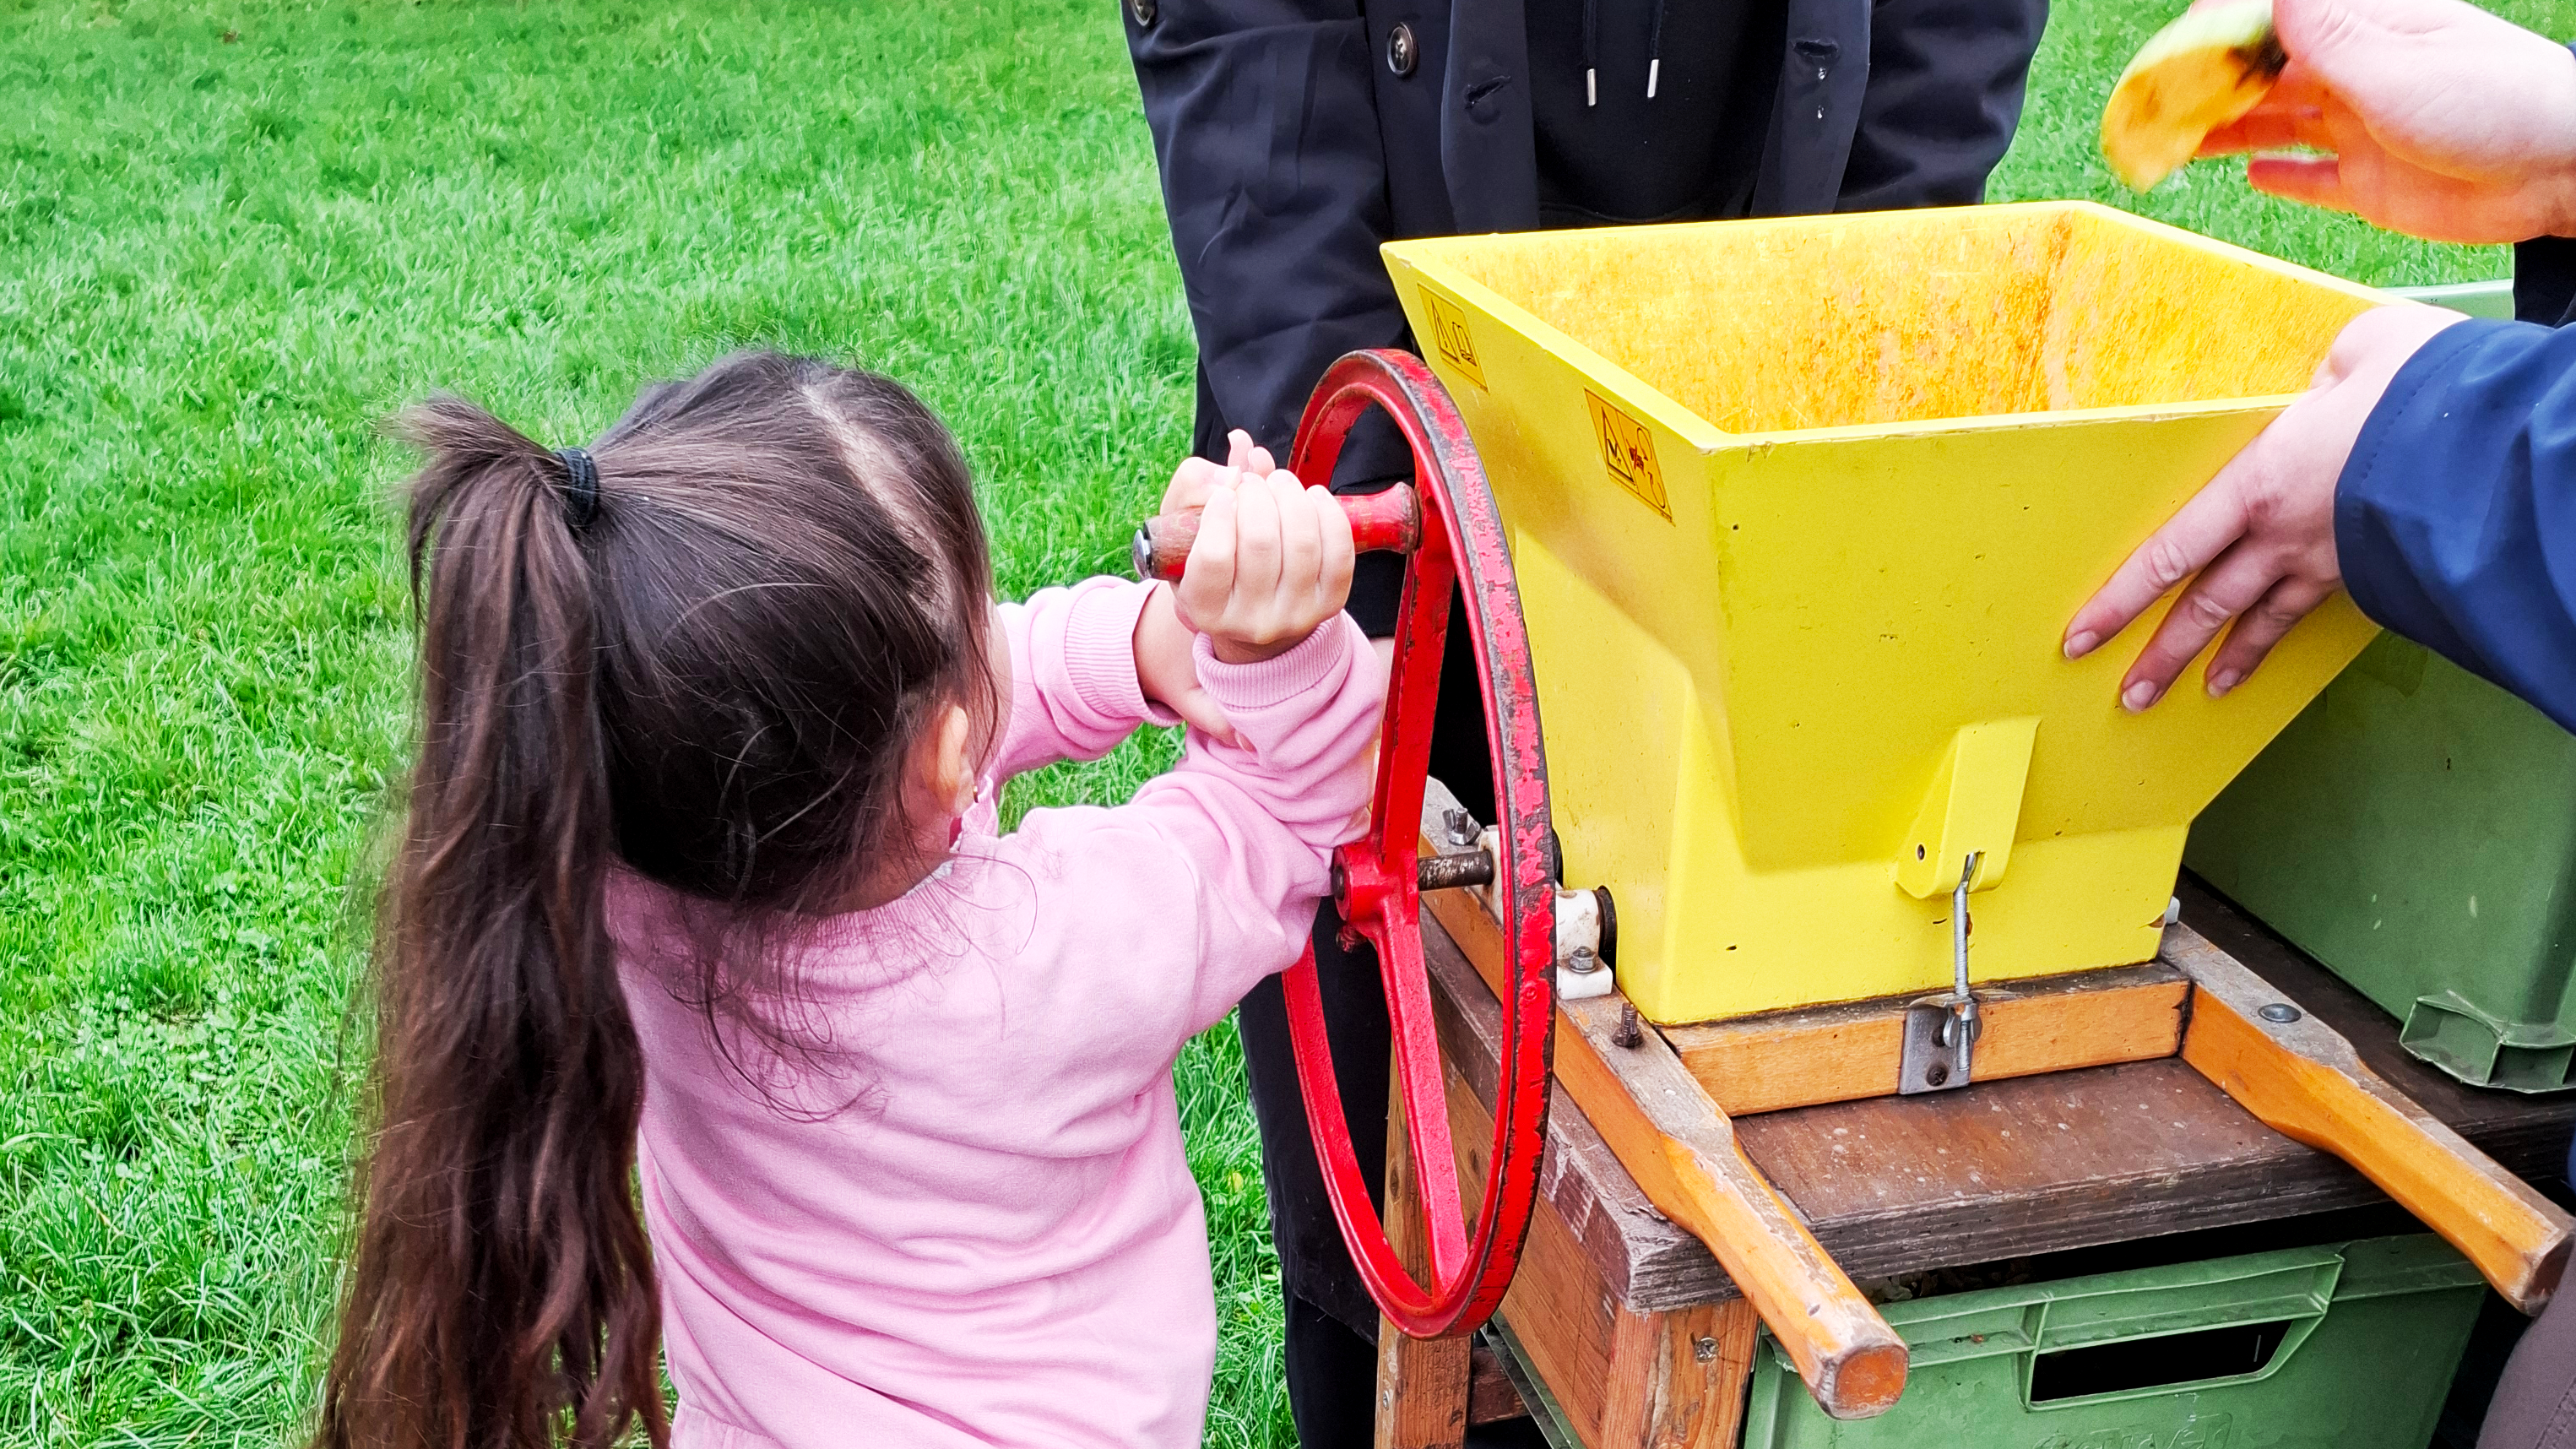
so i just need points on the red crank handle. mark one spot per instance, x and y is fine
(1388, 522)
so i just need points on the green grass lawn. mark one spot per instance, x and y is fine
(231, 238)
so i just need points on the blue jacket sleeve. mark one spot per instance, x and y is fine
(2455, 516)
(1946, 81)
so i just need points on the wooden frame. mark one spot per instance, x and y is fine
(1784, 1059)
(1611, 1290)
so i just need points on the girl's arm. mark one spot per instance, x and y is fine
(1073, 691)
(1231, 849)
(1212, 873)
(1256, 820)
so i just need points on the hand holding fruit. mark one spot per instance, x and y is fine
(2440, 120)
(2433, 117)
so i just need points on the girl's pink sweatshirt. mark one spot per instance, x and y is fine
(975, 1225)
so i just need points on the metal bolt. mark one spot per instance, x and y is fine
(1704, 1349)
(1444, 872)
(1583, 961)
(1460, 825)
(1632, 1032)
(2279, 1013)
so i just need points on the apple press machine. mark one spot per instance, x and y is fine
(1764, 534)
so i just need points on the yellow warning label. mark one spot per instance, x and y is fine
(1628, 451)
(1450, 337)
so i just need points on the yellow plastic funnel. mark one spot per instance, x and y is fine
(1800, 509)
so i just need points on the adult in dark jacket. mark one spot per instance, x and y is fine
(2432, 469)
(1295, 136)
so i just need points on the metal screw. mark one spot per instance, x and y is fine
(1583, 961)
(1460, 825)
(2279, 1012)
(1704, 1348)
(1936, 1074)
(1631, 1033)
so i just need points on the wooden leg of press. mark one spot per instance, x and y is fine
(1421, 1383)
(1680, 1377)
(2302, 1079)
(1682, 1151)
(1622, 1377)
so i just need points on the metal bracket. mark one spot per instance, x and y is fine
(1466, 861)
(1940, 1046)
(1580, 970)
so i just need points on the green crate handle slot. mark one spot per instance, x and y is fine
(2296, 1286)
(2403, 1305)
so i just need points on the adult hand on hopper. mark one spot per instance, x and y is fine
(2261, 536)
(2434, 118)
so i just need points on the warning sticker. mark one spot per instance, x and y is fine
(1628, 451)
(1449, 335)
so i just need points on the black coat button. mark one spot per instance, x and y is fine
(1401, 55)
(1142, 10)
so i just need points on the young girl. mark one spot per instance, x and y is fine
(701, 907)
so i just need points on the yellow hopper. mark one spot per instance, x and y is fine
(1799, 509)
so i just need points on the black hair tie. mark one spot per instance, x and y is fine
(581, 487)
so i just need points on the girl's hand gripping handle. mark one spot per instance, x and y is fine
(1388, 522)
(1271, 561)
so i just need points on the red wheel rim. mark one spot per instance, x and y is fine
(1462, 548)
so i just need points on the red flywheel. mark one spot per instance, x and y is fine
(1457, 551)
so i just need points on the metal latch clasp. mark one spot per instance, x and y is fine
(1940, 1049)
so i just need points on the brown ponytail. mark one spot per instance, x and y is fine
(707, 670)
(502, 1290)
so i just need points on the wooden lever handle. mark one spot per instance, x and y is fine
(2302, 1079)
(1683, 1153)
(1388, 522)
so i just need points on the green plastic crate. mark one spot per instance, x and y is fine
(2414, 829)
(2349, 1346)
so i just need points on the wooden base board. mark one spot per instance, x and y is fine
(2298, 1076)
(1848, 1052)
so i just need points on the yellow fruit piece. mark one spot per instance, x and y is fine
(2207, 68)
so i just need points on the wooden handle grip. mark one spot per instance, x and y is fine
(1388, 522)
(2302, 1079)
(1851, 1361)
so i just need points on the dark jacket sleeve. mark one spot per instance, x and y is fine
(2455, 517)
(2544, 280)
(1274, 177)
(1946, 79)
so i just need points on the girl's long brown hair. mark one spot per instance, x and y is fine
(712, 680)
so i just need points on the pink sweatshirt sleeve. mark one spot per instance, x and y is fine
(1073, 674)
(1234, 845)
